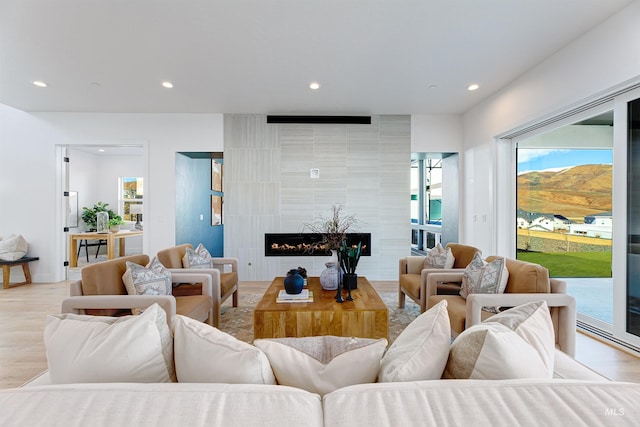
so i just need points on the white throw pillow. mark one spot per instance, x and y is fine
(98, 349)
(154, 279)
(323, 364)
(204, 354)
(481, 277)
(491, 351)
(13, 248)
(420, 352)
(533, 323)
(193, 259)
(439, 257)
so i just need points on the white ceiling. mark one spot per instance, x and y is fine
(259, 56)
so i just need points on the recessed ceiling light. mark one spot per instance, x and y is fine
(40, 83)
(314, 85)
(101, 150)
(168, 85)
(473, 87)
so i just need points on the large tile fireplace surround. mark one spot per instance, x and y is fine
(308, 244)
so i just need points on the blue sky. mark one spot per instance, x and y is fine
(535, 159)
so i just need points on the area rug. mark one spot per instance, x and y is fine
(238, 321)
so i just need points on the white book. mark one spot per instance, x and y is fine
(295, 300)
(302, 295)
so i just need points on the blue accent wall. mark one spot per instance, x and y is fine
(193, 198)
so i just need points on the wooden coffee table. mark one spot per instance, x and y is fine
(367, 316)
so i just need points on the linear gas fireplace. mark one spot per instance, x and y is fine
(308, 244)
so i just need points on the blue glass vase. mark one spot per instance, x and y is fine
(294, 282)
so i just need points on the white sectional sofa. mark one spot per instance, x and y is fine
(575, 396)
(423, 403)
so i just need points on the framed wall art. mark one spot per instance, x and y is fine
(216, 175)
(216, 210)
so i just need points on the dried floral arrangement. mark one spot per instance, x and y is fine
(333, 228)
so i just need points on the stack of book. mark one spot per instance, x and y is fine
(305, 296)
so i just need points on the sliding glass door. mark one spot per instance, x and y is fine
(564, 215)
(633, 219)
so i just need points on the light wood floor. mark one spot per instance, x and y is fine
(23, 311)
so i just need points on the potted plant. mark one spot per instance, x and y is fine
(115, 223)
(349, 257)
(89, 215)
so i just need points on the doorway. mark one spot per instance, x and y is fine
(91, 173)
(434, 200)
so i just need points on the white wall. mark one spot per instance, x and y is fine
(596, 63)
(27, 187)
(436, 133)
(83, 178)
(28, 172)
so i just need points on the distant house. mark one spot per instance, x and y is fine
(561, 222)
(605, 218)
(535, 221)
(524, 219)
(598, 225)
(543, 222)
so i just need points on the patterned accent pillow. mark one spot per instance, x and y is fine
(156, 266)
(481, 277)
(193, 259)
(323, 364)
(439, 257)
(151, 280)
(202, 251)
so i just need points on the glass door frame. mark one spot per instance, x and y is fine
(619, 259)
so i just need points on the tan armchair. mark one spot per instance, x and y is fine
(101, 291)
(412, 277)
(225, 283)
(528, 282)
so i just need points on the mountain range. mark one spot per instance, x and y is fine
(573, 192)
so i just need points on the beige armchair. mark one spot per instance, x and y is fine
(83, 304)
(528, 282)
(225, 283)
(412, 277)
(101, 291)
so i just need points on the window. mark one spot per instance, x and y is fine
(429, 201)
(131, 193)
(426, 203)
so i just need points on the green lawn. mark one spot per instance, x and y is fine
(572, 264)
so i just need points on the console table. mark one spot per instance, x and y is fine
(109, 237)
